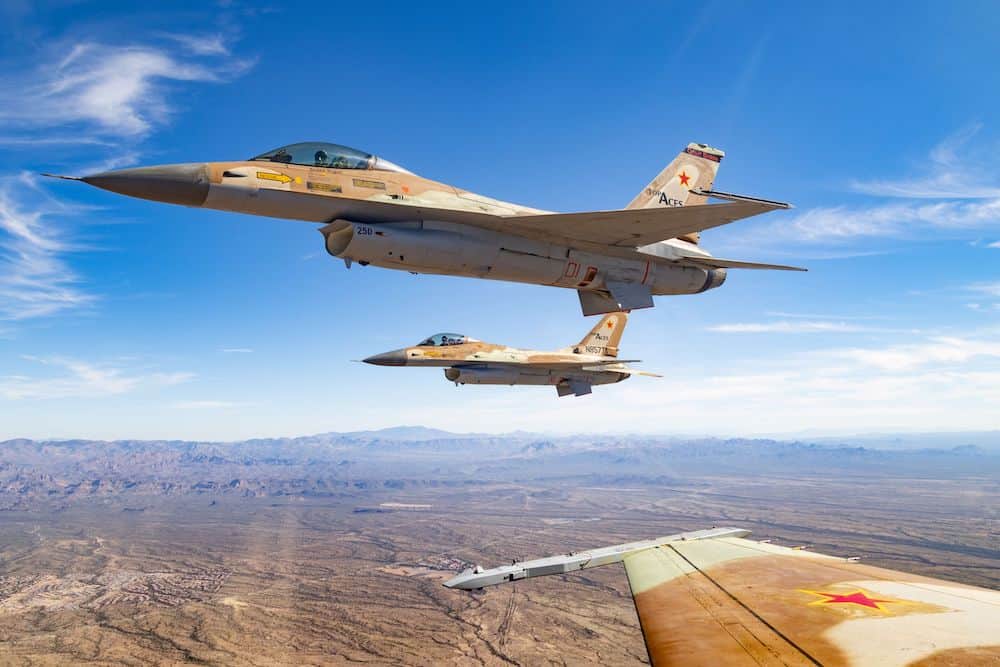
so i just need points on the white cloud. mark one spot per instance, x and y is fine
(786, 326)
(35, 279)
(203, 45)
(83, 379)
(995, 244)
(936, 351)
(820, 316)
(96, 95)
(236, 350)
(208, 405)
(60, 141)
(986, 289)
(109, 90)
(895, 220)
(954, 170)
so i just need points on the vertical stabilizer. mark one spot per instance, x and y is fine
(693, 169)
(604, 337)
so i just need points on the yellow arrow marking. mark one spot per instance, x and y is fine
(268, 176)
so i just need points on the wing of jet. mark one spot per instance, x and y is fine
(714, 597)
(625, 228)
(624, 369)
(609, 365)
(637, 227)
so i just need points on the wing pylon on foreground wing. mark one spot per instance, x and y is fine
(713, 597)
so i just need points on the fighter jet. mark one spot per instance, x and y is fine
(713, 597)
(375, 212)
(573, 370)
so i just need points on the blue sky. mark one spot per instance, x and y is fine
(126, 318)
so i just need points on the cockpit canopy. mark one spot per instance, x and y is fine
(443, 339)
(332, 156)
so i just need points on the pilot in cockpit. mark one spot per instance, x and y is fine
(321, 159)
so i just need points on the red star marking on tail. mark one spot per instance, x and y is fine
(684, 178)
(610, 324)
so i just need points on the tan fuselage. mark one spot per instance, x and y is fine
(361, 212)
(476, 362)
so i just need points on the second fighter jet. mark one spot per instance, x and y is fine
(572, 370)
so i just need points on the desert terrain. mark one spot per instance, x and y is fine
(332, 549)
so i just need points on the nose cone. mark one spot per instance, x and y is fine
(185, 184)
(394, 358)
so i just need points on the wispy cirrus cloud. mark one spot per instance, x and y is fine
(985, 289)
(945, 350)
(111, 90)
(822, 316)
(788, 326)
(236, 350)
(202, 45)
(957, 173)
(953, 170)
(107, 98)
(74, 378)
(35, 278)
(208, 405)
(846, 224)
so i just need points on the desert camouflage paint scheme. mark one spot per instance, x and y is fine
(572, 370)
(715, 598)
(374, 212)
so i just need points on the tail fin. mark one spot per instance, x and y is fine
(604, 337)
(693, 169)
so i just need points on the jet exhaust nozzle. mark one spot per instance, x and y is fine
(714, 279)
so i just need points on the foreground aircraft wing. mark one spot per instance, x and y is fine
(721, 599)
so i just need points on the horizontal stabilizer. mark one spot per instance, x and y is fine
(728, 196)
(719, 263)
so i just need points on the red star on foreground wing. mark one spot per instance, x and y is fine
(858, 597)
